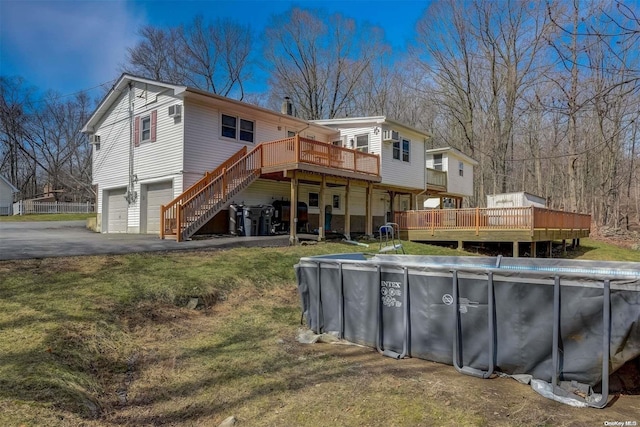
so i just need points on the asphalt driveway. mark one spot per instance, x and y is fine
(25, 240)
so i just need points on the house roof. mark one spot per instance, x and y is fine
(378, 120)
(455, 151)
(186, 92)
(11, 186)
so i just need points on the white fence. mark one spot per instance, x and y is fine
(29, 207)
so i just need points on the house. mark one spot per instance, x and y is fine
(453, 171)
(171, 160)
(7, 190)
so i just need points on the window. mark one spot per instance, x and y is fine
(314, 200)
(290, 134)
(401, 150)
(362, 143)
(336, 201)
(396, 150)
(145, 128)
(437, 162)
(246, 130)
(405, 150)
(460, 168)
(230, 128)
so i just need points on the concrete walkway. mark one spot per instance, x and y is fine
(26, 240)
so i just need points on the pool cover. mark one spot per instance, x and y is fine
(566, 322)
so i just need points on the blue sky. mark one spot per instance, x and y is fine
(68, 46)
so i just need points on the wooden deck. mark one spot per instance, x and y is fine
(527, 224)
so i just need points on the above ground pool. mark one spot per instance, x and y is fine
(567, 323)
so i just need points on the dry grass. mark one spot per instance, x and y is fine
(102, 341)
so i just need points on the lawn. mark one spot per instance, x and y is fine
(102, 341)
(47, 217)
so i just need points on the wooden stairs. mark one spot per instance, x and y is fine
(198, 204)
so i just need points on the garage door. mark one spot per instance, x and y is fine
(157, 194)
(117, 208)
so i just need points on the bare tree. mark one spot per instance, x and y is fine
(320, 62)
(212, 57)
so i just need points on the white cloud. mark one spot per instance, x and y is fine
(66, 45)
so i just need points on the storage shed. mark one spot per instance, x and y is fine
(515, 200)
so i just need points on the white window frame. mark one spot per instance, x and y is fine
(144, 119)
(438, 166)
(361, 148)
(238, 131)
(396, 151)
(406, 154)
(461, 168)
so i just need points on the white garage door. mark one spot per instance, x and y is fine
(157, 194)
(117, 208)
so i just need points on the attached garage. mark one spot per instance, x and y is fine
(117, 209)
(153, 196)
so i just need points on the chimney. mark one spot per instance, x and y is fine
(287, 106)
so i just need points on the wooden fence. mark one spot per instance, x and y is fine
(26, 207)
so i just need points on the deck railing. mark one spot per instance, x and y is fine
(309, 151)
(524, 218)
(436, 178)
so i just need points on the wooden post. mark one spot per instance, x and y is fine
(477, 221)
(347, 213)
(392, 208)
(564, 246)
(162, 221)
(321, 220)
(460, 245)
(368, 211)
(296, 147)
(533, 250)
(516, 249)
(550, 249)
(293, 211)
(178, 222)
(224, 182)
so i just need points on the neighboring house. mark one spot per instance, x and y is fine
(451, 173)
(7, 190)
(171, 159)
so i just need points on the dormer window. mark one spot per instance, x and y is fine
(437, 162)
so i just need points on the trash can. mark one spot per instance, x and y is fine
(236, 220)
(252, 220)
(266, 215)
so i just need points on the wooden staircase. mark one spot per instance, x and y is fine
(198, 204)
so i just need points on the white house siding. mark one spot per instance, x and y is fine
(456, 184)
(153, 161)
(400, 173)
(205, 148)
(6, 198)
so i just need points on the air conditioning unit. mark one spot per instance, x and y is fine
(390, 136)
(175, 110)
(94, 139)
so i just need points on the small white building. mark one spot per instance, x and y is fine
(515, 200)
(451, 172)
(7, 190)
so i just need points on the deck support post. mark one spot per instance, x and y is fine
(516, 249)
(564, 246)
(293, 212)
(321, 220)
(533, 250)
(368, 211)
(550, 249)
(347, 213)
(460, 245)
